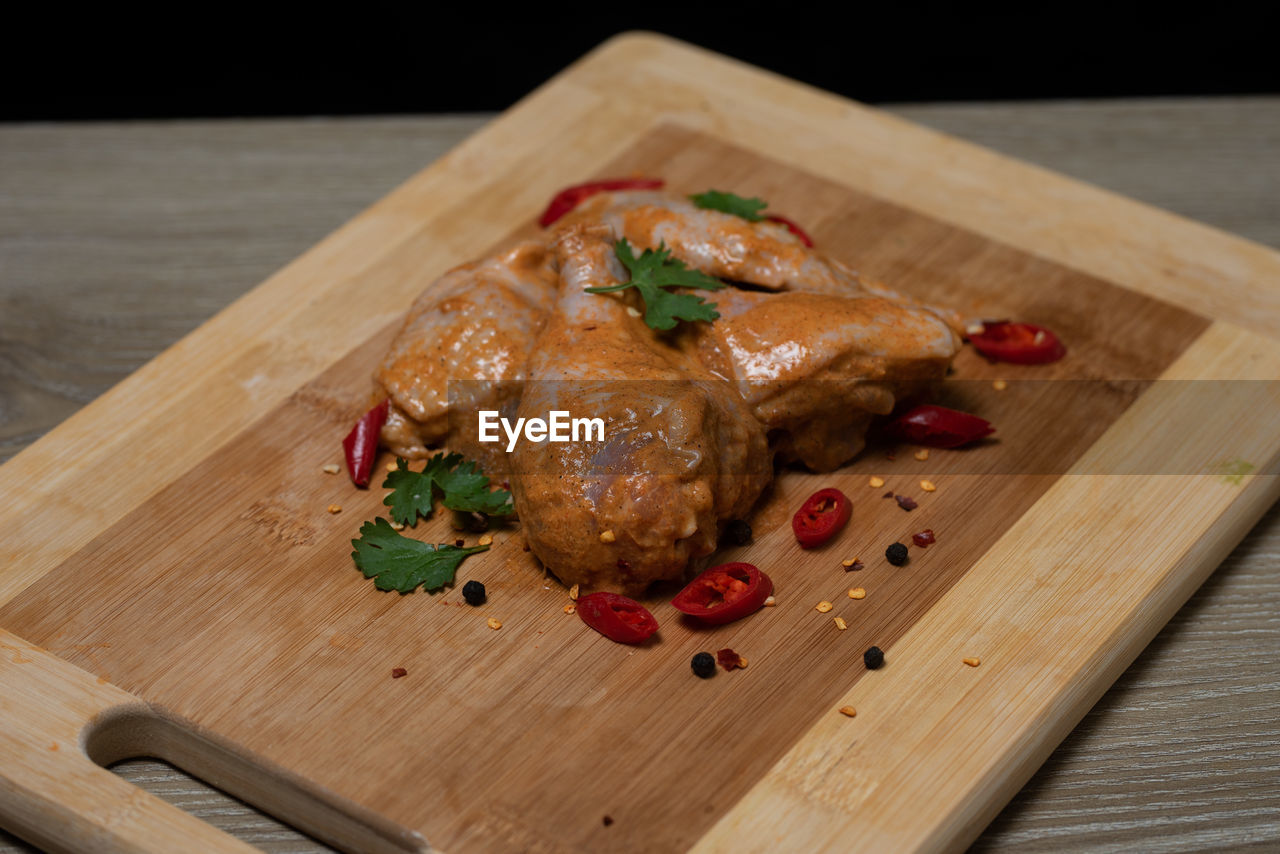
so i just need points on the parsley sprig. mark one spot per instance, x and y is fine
(396, 562)
(651, 274)
(714, 200)
(460, 482)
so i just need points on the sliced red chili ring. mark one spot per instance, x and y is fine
(361, 444)
(617, 617)
(1019, 343)
(570, 197)
(821, 517)
(939, 427)
(724, 593)
(791, 227)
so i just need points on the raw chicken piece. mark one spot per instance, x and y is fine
(475, 325)
(762, 253)
(682, 452)
(815, 367)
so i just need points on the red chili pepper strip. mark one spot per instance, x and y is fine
(939, 427)
(821, 517)
(1019, 343)
(570, 197)
(361, 444)
(791, 227)
(617, 617)
(724, 593)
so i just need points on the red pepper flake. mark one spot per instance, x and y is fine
(906, 503)
(854, 567)
(888, 494)
(924, 539)
(729, 659)
(607, 820)
(397, 672)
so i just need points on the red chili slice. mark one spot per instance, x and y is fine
(791, 227)
(821, 516)
(361, 444)
(617, 617)
(724, 593)
(1019, 343)
(570, 197)
(939, 427)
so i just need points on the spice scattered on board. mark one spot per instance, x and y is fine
(823, 607)
(703, 665)
(841, 624)
(875, 482)
(848, 711)
(729, 659)
(924, 539)
(494, 623)
(972, 662)
(906, 503)
(857, 593)
(922, 454)
(928, 486)
(331, 468)
(335, 508)
(398, 672)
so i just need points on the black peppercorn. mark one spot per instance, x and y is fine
(737, 533)
(704, 665)
(873, 658)
(896, 554)
(473, 592)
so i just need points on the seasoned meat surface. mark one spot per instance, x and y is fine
(803, 356)
(682, 451)
(476, 326)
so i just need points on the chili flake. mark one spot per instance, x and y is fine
(331, 468)
(906, 503)
(770, 602)
(852, 565)
(396, 526)
(494, 623)
(999, 385)
(922, 454)
(928, 486)
(823, 607)
(848, 711)
(570, 608)
(924, 539)
(729, 659)
(397, 672)
(858, 593)
(486, 540)
(841, 624)
(335, 508)
(607, 536)
(875, 482)
(972, 662)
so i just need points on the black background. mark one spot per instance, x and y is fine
(220, 61)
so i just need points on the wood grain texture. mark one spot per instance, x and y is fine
(1264, 812)
(297, 646)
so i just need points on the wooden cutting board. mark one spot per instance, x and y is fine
(173, 585)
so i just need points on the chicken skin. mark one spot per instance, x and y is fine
(682, 452)
(804, 355)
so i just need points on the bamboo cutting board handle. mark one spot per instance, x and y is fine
(54, 794)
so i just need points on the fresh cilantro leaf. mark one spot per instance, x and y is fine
(464, 488)
(396, 562)
(655, 270)
(714, 200)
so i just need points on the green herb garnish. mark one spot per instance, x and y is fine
(464, 488)
(651, 273)
(395, 562)
(714, 200)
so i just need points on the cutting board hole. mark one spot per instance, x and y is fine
(211, 780)
(214, 806)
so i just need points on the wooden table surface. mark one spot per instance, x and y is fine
(117, 239)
